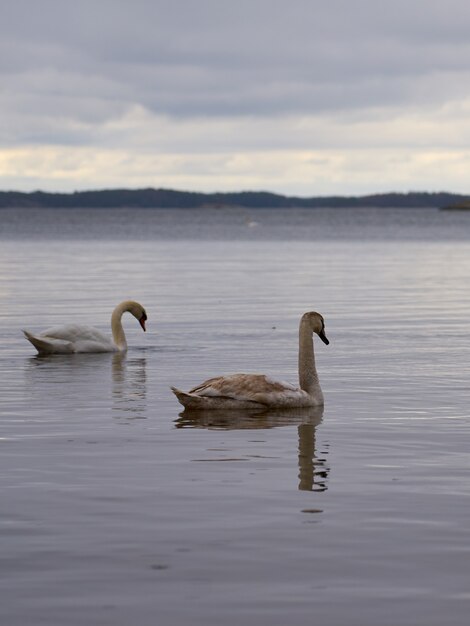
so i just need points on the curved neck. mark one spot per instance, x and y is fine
(116, 327)
(308, 377)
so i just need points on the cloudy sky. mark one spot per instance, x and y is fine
(303, 97)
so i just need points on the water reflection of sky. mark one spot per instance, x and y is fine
(96, 498)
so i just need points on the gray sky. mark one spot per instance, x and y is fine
(300, 97)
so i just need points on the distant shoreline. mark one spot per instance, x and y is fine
(170, 198)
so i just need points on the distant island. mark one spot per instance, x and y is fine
(169, 198)
(463, 205)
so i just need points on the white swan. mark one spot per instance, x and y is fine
(244, 391)
(75, 338)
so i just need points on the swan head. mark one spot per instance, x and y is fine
(316, 324)
(138, 311)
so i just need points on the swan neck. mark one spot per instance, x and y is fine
(117, 330)
(308, 377)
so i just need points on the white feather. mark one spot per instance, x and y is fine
(75, 338)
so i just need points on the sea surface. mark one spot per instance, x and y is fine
(118, 510)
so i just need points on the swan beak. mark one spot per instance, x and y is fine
(323, 337)
(142, 322)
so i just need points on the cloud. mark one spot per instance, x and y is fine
(181, 82)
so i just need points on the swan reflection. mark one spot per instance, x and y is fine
(62, 369)
(313, 470)
(129, 390)
(96, 383)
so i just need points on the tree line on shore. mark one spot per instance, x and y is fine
(169, 198)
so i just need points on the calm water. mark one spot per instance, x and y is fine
(117, 510)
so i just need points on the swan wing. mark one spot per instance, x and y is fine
(75, 332)
(257, 388)
(71, 338)
(83, 338)
(235, 385)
